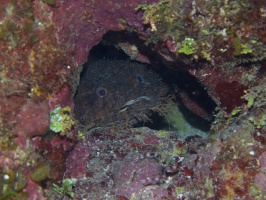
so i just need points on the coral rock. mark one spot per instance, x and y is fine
(127, 184)
(62, 98)
(33, 119)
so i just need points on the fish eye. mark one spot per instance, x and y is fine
(101, 92)
(140, 79)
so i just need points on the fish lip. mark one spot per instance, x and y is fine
(130, 102)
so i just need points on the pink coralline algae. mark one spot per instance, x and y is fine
(76, 161)
(62, 98)
(260, 178)
(94, 21)
(168, 167)
(262, 160)
(129, 176)
(43, 46)
(128, 167)
(34, 191)
(116, 166)
(33, 118)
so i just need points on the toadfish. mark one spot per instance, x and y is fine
(119, 93)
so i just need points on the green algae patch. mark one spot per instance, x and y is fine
(177, 151)
(67, 187)
(162, 134)
(61, 120)
(188, 46)
(171, 22)
(49, 2)
(12, 184)
(40, 173)
(210, 188)
(20, 184)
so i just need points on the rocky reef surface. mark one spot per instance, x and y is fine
(215, 45)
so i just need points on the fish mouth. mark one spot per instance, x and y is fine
(133, 101)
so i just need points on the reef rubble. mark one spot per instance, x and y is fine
(44, 152)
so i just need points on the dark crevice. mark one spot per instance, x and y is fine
(177, 80)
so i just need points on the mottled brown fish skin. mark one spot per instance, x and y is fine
(120, 93)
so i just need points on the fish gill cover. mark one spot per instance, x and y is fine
(120, 94)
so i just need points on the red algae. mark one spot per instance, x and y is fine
(230, 94)
(34, 119)
(43, 45)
